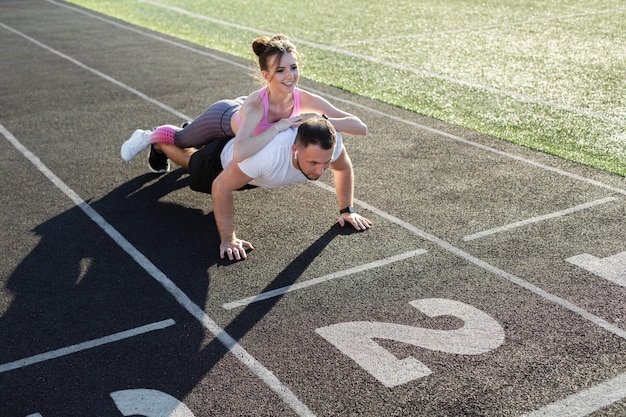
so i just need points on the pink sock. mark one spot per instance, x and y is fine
(163, 134)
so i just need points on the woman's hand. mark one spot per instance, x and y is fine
(284, 124)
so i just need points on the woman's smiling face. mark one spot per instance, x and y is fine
(285, 75)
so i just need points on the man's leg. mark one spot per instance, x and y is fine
(177, 155)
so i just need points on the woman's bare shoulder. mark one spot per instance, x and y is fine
(255, 96)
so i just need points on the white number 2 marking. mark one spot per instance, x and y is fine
(479, 334)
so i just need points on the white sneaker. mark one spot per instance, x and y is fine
(135, 144)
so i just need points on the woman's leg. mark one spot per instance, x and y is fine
(212, 124)
(163, 134)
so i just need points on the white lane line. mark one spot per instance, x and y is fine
(270, 379)
(325, 278)
(86, 345)
(598, 321)
(587, 401)
(392, 64)
(96, 72)
(505, 25)
(140, 258)
(342, 100)
(231, 344)
(537, 219)
(467, 142)
(147, 34)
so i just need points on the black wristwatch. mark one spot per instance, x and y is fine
(348, 209)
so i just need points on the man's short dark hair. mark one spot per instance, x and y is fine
(316, 131)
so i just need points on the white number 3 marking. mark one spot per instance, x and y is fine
(149, 403)
(479, 334)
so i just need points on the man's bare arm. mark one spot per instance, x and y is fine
(231, 179)
(344, 186)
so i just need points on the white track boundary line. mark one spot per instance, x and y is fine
(325, 278)
(263, 373)
(226, 339)
(586, 401)
(95, 71)
(21, 363)
(349, 102)
(475, 144)
(149, 35)
(537, 219)
(439, 242)
(392, 64)
(531, 21)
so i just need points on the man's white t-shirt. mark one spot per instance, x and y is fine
(272, 165)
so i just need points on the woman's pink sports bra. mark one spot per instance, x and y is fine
(264, 124)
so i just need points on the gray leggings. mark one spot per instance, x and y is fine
(213, 123)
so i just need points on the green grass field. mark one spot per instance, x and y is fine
(550, 75)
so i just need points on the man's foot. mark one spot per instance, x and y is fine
(135, 144)
(157, 161)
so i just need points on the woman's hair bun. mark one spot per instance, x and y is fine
(259, 45)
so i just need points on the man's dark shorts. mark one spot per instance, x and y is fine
(206, 164)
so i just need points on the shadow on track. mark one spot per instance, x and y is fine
(76, 286)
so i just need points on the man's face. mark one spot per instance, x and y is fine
(312, 161)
